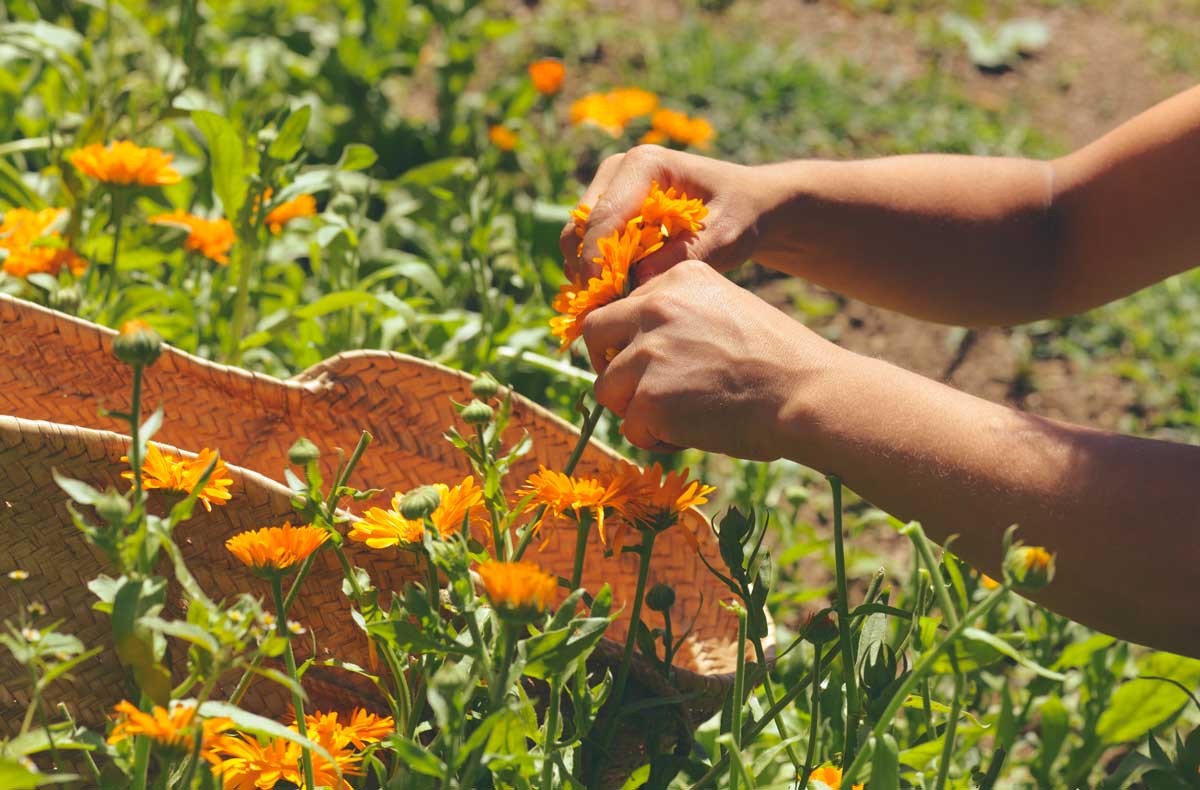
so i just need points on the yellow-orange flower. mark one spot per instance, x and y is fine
(381, 528)
(212, 238)
(172, 728)
(125, 163)
(657, 499)
(828, 777)
(359, 729)
(547, 75)
(503, 138)
(32, 248)
(299, 206)
(664, 214)
(572, 496)
(517, 586)
(275, 549)
(183, 474)
(612, 111)
(988, 582)
(670, 125)
(244, 764)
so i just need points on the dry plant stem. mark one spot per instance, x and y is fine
(925, 664)
(289, 660)
(814, 722)
(843, 612)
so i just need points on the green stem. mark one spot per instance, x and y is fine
(951, 731)
(618, 692)
(814, 721)
(925, 664)
(769, 690)
(141, 762)
(921, 543)
(331, 502)
(739, 692)
(499, 545)
(118, 205)
(550, 741)
(582, 530)
(290, 662)
(245, 257)
(433, 580)
(135, 431)
(843, 611)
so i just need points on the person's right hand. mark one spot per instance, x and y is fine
(622, 182)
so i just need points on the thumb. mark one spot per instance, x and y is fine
(622, 199)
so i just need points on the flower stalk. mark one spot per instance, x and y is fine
(289, 659)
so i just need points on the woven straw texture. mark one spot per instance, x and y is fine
(57, 371)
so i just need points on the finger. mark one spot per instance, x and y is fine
(623, 196)
(675, 251)
(609, 329)
(615, 387)
(640, 427)
(568, 240)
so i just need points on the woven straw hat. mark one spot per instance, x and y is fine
(56, 372)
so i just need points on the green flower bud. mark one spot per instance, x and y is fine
(1029, 567)
(796, 495)
(878, 668)
(420, 503)
(112, 507)
(819, 628)
(303, 452)
(660, 598)
(343, 205)
(485, 386)
(477, 413)
(137, 344)
(66, 299)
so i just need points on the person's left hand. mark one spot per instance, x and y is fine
(703, 363)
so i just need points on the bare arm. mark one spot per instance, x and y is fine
(956, 239)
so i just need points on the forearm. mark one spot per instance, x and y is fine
(1120, 512)
(955, 239)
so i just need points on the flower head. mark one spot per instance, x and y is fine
(276, 549)
(503, 138)
(664, 215)
(568, 496)
(245, 764)
(612, 111)
(212, 238)
(547, 75)
(517, 587)
(125, 163)
(183, 474)
(1029, 567)
(671, 126)
(658, 499)
(170, 728)
(381, 528)
(32, 248)
(299, 206)
(828, 777)
(359, 729)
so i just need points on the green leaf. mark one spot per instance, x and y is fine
(14, 190)
(410, 637)
(885, 764)
(1080, 653)
(1004, 648)
(1142, 704)
(357, 156)
(260, 725)
(291, 135)
(1055, 726)
(79, 491)
(416, 757)
(228, 157)
(438, 171)
(554, 652)
(16, 776)
(186, 631)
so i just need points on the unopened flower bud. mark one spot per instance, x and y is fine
(477, 413)
(343, 205)
(878, 668)
(819, 629)
(112, 507)
(137, 344)
(1029, 567)
(485, 386)
(66, 299)
(661, 597)
(303, 452)
(420, 503)
(796, 495)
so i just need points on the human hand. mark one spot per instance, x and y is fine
(703, 363)
(622, 182)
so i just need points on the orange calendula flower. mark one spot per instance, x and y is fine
(670, 125)
(125, 163)
(359, 729)
(32, 248)
(503, 138)
(244, 764)
(547, 75)
(212, 238)
(657, 499)
(612, 111)
(299, 206)
(570, 497)
(381, 528)
(664, 215)
(276, 549)
(172, 728)
(183, 474)
(518, 586)
(828, 777)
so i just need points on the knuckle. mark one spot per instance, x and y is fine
(646, 154)
(612, 160)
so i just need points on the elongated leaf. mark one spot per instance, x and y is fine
(291, 135)
(1141, 705)
(79, 491)
(416, 758)
(357, 156)
(260, 725)
(16, 776)
(228, 157)
(188, 632)
(1006, 649)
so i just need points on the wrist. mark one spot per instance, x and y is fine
(812, 411)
